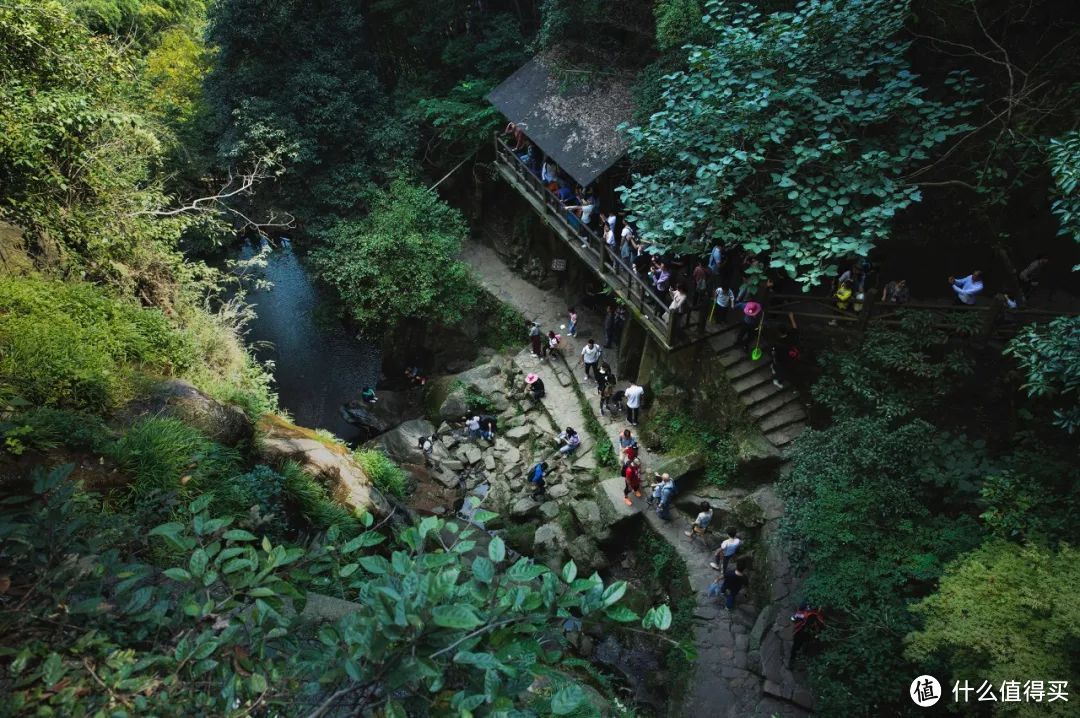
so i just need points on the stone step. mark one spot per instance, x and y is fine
(780, 399)
(742, 367)
(789, 415)
(785, 434)
(760, 374)
(760, 393)
(732, 356)
(725, 339)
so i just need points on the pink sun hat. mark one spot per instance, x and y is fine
(531, 378)
(752, 309)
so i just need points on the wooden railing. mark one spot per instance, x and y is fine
(649, 308)
(990, 318)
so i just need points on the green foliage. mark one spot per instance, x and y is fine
(387, 476)
(139, 21)
(895, 371)
(789, 134)
(301, 75)
(71, 344)
(500, 323)
(261, 488)
(475, 400)
(1030, 588)
(679, 433)
(428, 620)
(866, 506)
(1064, 158)
(400, 261)
(678, 22)
(44, 428)
(314, 504)
(1032, 495)
(167, 455)
(1050, 357)
(78, 157)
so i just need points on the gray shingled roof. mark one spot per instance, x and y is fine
(571, 115)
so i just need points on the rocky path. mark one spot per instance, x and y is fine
(722, 684)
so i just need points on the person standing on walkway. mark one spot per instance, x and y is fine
(628, 448)
(734, 582)
(785, 353)
(633, 394)
(571, 322)
(727, 550)
(701, 522)
(605, 384)
(535, 338)
(750, 322)
(657, 489)
(631, 481)
(667, 495)
(590, 357)
(967, 288)
(723, 300)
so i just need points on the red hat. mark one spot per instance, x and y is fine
(752, 309)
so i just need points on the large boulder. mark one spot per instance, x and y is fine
(224, 423)
(587, 555)
(402, 443)
(361, 416)
(282, 441)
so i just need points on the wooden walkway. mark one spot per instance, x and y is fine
(637, 295)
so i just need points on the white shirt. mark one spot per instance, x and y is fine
(725, 297)
(703, 519)
(730, 546)
(547, 173)
(626, 232)
(591, 356)
(611, 221)
(473, 423)
(586, 212)
(967, 288)
(633, 396)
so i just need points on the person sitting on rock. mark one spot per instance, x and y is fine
(426, 444)
(367, 394)
(472, 424)
(534, 386)
(414, 375)
(569, 441)
(536, 478)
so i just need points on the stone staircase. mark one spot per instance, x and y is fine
(778, 412)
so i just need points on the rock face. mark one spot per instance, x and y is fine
(223, 423)
(401, 444)
(333, 463)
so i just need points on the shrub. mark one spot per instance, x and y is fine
(680, 433)
(314, 504)
(73, 345)
(165, 454)
(383, 472)
(262, 488)
(44, 428)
